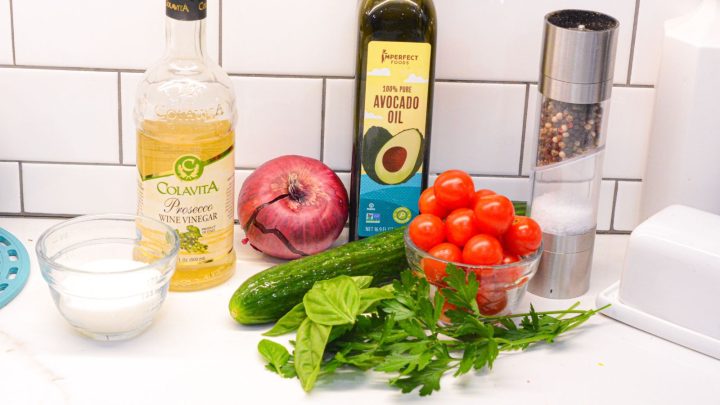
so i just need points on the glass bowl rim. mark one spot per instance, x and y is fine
(39, 246)
(525, 261)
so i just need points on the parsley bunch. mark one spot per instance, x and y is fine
(396, 330)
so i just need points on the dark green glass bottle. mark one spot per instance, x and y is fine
(394, 77)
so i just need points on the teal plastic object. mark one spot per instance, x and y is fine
(14, 267)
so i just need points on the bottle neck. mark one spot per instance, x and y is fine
(185, 39)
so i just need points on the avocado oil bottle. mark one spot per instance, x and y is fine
(184, 115)
(393, 110)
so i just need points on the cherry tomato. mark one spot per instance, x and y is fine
(434, 269)
(494, 214)
(479, 194)
(507, 276)
(426, 231)
(510, 258)
(429, 205)
(491, 302)
(460, 226)
(454, 189)
(482, 250)
(523, 237)
(484, 275)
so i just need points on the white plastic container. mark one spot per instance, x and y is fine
(682, 165)
(670, 279)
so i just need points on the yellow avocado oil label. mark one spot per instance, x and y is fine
(394, 128)
(196, 199)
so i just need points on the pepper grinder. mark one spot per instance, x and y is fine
(576, 77)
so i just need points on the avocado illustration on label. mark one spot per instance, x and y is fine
(392, 159)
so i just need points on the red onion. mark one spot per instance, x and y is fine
(292, 206)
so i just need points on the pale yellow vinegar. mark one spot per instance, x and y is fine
(160, 143)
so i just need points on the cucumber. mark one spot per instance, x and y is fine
(268, 295)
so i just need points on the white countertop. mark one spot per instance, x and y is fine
(194, 353)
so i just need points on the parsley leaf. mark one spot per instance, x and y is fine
(463, 289)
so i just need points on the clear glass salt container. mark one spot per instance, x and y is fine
(575, 86)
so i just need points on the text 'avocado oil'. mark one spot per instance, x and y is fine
(394, 78)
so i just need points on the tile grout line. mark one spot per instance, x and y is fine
(322, 121)
(524, 128)
(488, 175)
(634, 86)
(220, 33)
(623, 179)
(12, 31)
(614, 204)
(483, 81)
(120, 127)
(72, 68)
(37, 215)
(613, 232)
(42, 162)
(632, 41)
(285, 76)
(22, 186)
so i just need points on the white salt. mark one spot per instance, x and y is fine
(110, 303)
(561, 213)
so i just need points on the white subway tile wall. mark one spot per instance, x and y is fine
(59, 116)
(277, 117)
(648, 40)
(339, 121)
(627, 206)
(97, 34)
(10, 187)
(68, 74)
(290, 37)
(477, 127)
(501, 40)
(628, 132)
(78, 189)
(6, 51)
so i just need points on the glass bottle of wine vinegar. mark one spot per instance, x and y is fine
(395, 75)
(185, 113)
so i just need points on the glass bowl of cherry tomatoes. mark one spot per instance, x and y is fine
(478, 232)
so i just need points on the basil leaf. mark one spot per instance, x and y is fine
(275, 354)
(333, 302)
(289, 322)
(370, 296)
(309, 349)
(362, 281)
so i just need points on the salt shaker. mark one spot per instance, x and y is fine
(576, 77)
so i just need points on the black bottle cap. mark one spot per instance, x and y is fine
(186, 10)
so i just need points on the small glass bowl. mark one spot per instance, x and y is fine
(501, 286)
(108, 274)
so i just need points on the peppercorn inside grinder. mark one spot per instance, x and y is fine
(575, 85)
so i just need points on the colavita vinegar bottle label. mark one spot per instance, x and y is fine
(393, 143)
(190, 190)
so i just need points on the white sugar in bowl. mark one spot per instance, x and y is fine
(108, 274)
